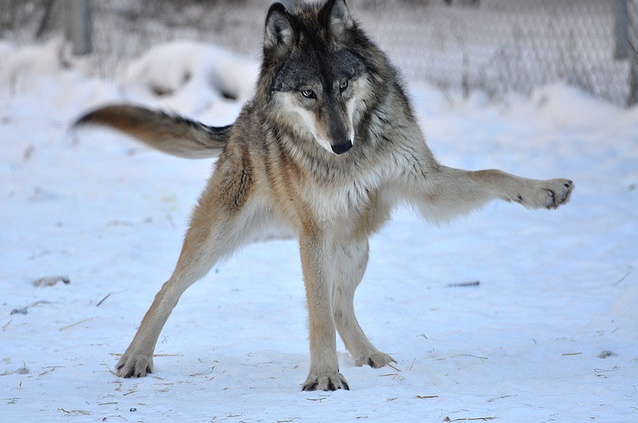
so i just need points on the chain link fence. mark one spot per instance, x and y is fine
(509, 45)
(495, 46)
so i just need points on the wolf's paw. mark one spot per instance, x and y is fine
(376, 360)
(325, 382)
(547, 194)
(134, 365)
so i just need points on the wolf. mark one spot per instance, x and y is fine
(325, 150)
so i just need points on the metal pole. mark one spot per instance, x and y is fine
(78, 26)
(632, 38)
(620, 29)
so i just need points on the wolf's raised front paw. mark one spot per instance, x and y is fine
(376, 360)
(558, 192)
(545, 194)
(134, 365)
(325, 382)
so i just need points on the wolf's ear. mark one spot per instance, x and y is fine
(279, 35)
(339, 20)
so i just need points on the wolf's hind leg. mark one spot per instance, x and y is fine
(214, 233)
(351, 265)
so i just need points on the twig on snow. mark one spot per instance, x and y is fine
(103, 299)
(623, 277)
(464, 284)
(75, 324)
(393, 367)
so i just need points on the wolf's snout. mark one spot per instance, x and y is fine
(341, 148)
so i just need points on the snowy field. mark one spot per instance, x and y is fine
(546, 329)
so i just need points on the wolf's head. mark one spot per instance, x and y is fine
(317, 77)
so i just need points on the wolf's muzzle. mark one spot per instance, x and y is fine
(341, 148)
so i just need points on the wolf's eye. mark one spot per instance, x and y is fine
(343, 86)
(308, 94)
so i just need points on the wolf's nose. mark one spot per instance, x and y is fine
(342, 148)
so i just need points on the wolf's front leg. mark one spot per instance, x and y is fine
(531, 193)
(318, 267)
(449, 192)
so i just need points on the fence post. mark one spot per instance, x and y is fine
(620, 29)
(632, 38)
(78, 26)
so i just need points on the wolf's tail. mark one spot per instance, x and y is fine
(169, 133)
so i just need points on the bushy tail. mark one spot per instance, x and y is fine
(169, 133)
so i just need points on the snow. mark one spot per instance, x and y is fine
(550, 333)
(197, 78)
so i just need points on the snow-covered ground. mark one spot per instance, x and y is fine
(550, 332)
